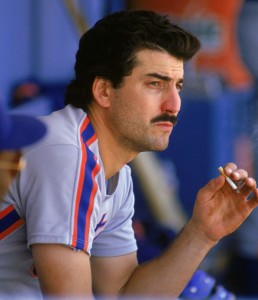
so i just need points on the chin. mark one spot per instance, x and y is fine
(152, 145)
(159, 147)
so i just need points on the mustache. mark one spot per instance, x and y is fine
(166, 118)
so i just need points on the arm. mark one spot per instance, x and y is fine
(169, 273)
(218, 211)
(62, 271)
(110, 274)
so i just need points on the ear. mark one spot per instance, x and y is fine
(101, 89)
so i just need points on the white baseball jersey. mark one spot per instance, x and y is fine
(62, 197)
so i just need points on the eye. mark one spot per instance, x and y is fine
(179, 87)
(155, 83)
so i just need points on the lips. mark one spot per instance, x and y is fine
(166, 126)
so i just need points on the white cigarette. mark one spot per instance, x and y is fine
(230, 181)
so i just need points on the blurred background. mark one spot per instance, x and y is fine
(218, 121)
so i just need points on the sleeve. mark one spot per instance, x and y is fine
(46, 190)
(118, 236)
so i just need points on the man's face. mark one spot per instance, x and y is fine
(141, 108)
(9, 167)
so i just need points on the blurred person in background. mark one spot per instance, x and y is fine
(16, 131)
(76, 195)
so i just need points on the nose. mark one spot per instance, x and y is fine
(172, 102)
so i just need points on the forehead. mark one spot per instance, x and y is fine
(158, 61)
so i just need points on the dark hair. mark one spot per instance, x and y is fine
(109, 48)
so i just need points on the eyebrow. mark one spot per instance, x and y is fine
(162, 77)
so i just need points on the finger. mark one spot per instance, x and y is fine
(229, 168)
(213, 186)
(248, 187)
(234, 173)
(253, 201)
(239, 175)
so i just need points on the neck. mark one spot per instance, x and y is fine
(113, 155)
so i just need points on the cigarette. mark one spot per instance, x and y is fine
(230, 181)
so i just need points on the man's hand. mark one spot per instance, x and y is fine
(219, 210)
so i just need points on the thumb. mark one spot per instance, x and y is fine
(212, 186)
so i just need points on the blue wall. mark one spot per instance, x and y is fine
(39, 39)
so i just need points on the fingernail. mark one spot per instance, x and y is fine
(229, 171)
(236, 174)
(251, 180)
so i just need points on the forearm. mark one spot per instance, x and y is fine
(218, 211)
(169, 273)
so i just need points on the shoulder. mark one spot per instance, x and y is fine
(63, 128)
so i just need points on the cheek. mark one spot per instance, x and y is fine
(134, 107)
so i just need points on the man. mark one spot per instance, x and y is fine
(16, 131)
(76, 194)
